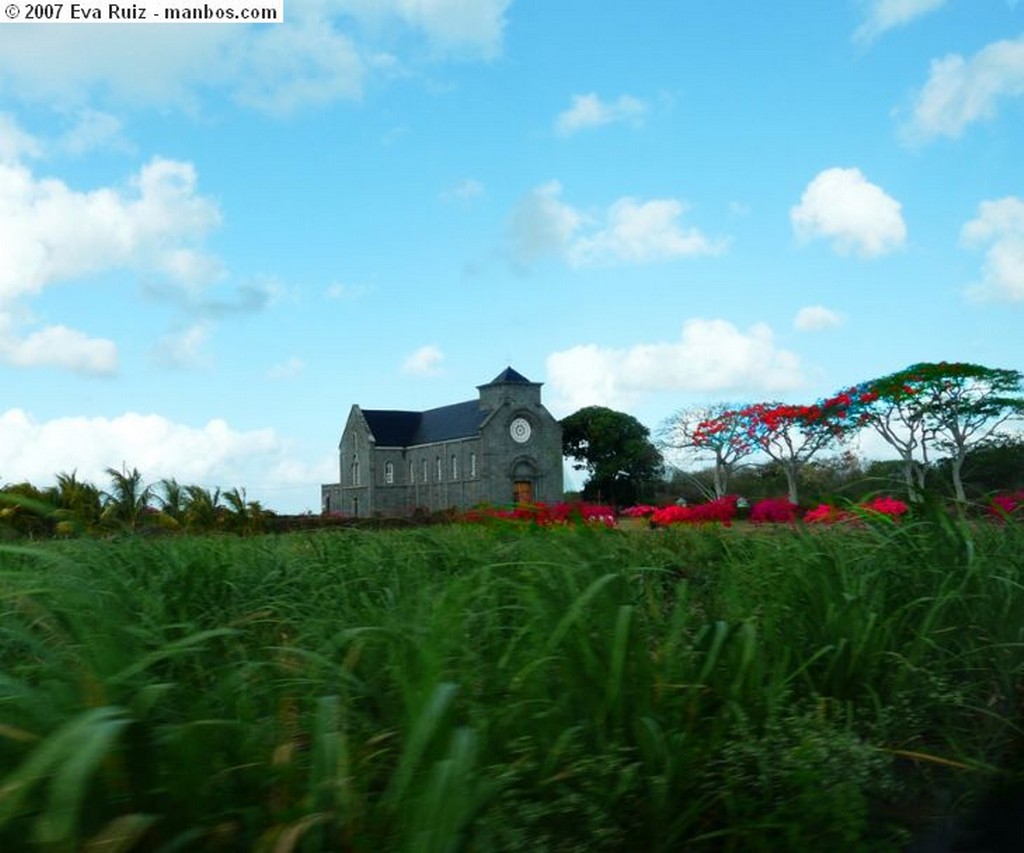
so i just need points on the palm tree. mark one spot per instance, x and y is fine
(243, 516)
(203, 509)
(127, 500)
(78, 505)
(173, 500)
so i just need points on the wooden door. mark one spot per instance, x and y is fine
(522, 491)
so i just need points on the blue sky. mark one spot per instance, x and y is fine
(215, 239)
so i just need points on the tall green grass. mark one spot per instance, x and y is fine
(507, 688)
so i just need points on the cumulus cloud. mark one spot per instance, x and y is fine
(153, 224)
(814, 318)
(57, 346)
(320, 56)
(710, 356)
(962, 91)
(215, 453)
(426, 361)
(884, 15)
(54, 233)
(630, 231)
(999, 228)
(842, 206)
(589, 111)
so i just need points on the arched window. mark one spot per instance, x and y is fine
(424, 471)
(455, 467)
(412, 473)
(472, 464)
(355, 470)
(389, 473)
(440, 470)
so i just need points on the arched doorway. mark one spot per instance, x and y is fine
(524, 480)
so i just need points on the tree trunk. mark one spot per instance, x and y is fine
(958, 484)
(791, 471)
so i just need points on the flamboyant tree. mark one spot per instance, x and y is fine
(719, 431)
(792, 435)
(945, 406)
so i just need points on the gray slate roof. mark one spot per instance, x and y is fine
(510, 375)
(405, 429)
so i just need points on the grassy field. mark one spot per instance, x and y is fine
(509, 688)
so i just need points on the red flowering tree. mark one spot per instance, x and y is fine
(792, 435)
(719, 431)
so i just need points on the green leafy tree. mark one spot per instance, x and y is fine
(946, 407)
(615, 450)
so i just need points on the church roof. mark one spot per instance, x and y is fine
(510, 375)
(406, 429)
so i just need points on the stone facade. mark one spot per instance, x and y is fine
(501, 448)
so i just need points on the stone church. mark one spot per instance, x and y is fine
(503, 447)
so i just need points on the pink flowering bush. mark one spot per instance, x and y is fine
(774, 510)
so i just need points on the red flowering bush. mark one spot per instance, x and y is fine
(825, 514)
(720, 510)
(544, 514)
(639, 511)
(1005, 505)
(774, 510)
(886, 506)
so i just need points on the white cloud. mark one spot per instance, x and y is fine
(640, 232)
(214, 453)
(884, 15)
(962, 91)
(841, 205)
(588, 111)
(318, 57)
(426, 361)
(711, 356)
(57, 346)
(629, 232)
(53, 232)
(1000, 227)
(814, 318)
